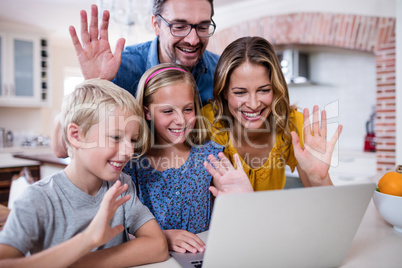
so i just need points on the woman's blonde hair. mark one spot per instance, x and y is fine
(167, 74)
(91, 99)
(257, 51)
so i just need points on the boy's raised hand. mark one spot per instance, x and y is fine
(94, 54)
(99, 230)
(226, 178)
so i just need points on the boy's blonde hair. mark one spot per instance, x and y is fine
(90, 100)
(167, 74)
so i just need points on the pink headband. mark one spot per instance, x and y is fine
(155, 73)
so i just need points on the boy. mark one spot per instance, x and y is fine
(85, 207)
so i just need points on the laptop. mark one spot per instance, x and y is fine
(303, 227)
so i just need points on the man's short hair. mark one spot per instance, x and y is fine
(157, 7)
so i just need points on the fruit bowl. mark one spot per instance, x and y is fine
(390, 208)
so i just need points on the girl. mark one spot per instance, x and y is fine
(251, 116)
(171, 179)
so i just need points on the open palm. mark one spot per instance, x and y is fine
(226, 178)
(315, 157)
(99, 230)
(94, 54)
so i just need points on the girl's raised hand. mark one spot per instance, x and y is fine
(315, 158)
(226, 178)
(99, 230)
(94, 55)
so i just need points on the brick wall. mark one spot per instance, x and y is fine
(372, 34)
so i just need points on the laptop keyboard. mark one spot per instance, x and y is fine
(197, 264)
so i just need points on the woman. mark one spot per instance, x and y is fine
(251, 116)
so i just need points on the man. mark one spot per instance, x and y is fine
(182, 27)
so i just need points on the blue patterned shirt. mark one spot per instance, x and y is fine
(178, 198)
(136, 59)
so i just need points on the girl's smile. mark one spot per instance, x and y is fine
(172, 113)
(178, 132)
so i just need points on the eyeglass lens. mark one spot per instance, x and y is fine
(203, 30)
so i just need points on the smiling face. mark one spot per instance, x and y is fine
(107, 146)
(182, 50)
(249, 95)
(173, 113)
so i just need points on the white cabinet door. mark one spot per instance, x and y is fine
(21, 68)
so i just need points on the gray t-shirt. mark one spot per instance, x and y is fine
(53, 210)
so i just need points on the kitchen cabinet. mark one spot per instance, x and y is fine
(23, 69)
(50, 164)
(11, 166)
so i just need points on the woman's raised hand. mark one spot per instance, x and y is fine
(94, 54)
(226, 178)
(315, 158)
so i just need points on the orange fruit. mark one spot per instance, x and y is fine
(391, 183)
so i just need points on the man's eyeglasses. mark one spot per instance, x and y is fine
(183, 29)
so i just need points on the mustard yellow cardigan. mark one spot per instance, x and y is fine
(271, 175)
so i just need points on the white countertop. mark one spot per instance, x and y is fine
(8, 161)
(376, 243)
(28, 150)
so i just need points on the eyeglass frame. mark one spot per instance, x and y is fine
(193, 26)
